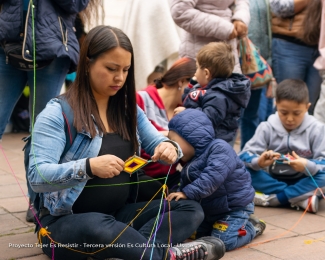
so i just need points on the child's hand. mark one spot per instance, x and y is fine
(240, 28)
(176, 195)
(178, 110)
(267, 158)
(233, 35)
(298, 164)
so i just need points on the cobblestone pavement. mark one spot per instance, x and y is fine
(289, 234)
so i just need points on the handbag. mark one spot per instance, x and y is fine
(253, 65)
(13, 52)
(282, 171)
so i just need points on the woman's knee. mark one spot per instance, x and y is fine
(194, 207)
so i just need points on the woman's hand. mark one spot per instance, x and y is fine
(240, 28)
(176, 195)
(106, 166)
(298, 164)
(267, 158)
(165, 152)
(270, 91)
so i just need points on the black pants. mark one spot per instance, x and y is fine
(148, 189)
(90, 232)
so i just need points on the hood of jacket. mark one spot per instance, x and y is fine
(237, 87)
(276, 124)
(195, 127)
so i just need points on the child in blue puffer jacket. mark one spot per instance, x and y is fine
(216, 177)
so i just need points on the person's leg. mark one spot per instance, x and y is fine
(250, 119)
(263, 182)
(288, 60)
(12, 83)
(49, 82)
(320, 105)
(294, 61)
(262, 106)
(313, 80)
(305, 188)
(234, 229)
(90, 232)
(185, 217)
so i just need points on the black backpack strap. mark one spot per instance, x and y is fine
(70, 130)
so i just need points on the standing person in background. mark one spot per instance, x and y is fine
(259, 32)
(208, 21)
(319, 112)
(293, 54)
(158, 102)
(55, 40)
(160, 41)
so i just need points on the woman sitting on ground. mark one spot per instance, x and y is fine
(110, 129)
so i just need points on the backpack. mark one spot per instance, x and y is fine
(70, 134)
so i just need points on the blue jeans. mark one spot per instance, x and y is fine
(266, 106)
(287, 191)
(294, 61)
(250, 119)
(92, 228)
(49, 81)
(233, 227)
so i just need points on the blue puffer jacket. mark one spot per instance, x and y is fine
(221, 100)
(54, 28)
(215, 176)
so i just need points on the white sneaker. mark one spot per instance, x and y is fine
(311, 201)
(262, 199)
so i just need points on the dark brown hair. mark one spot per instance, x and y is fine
(218, 58)
(121, 110)
(312, 21)
(182, 68)
(293, 90)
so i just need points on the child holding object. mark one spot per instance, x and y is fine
(293, 132)
(216, 177)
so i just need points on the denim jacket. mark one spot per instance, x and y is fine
(61, 180)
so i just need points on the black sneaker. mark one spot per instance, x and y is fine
(205, 248)
(29, 213)
(258, 224)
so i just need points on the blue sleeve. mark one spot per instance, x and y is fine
(259, 143)
(215, 106)
(220, 163)
(45, 174)
(72, 6)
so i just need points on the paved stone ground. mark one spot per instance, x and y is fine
(292, 235)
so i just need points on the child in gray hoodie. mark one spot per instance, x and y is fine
(286, 156)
